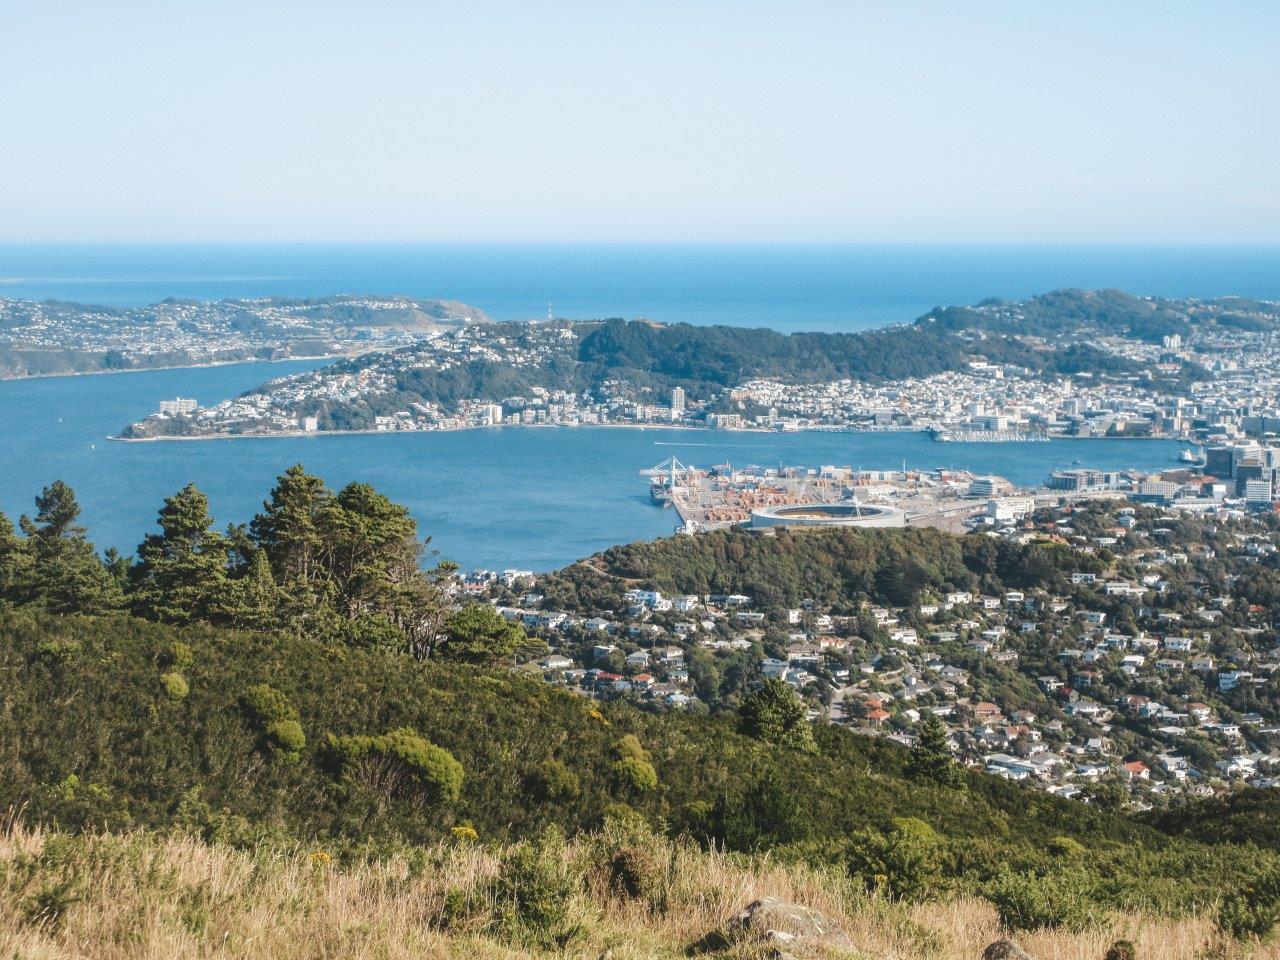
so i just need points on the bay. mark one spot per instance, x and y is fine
(531, 498)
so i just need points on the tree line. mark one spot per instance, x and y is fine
(344, 567)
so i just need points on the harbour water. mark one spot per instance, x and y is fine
(533, 498)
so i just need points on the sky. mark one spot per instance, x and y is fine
(699, 120)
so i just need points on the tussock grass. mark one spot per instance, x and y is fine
(173, 897)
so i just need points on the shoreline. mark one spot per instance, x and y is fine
(288, 434)
(335, 357)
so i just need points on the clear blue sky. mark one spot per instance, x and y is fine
(618, 120)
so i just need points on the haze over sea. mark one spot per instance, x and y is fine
(533, 498)
(787, 287)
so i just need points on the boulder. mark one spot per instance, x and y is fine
(789, 925)
(1005, 950)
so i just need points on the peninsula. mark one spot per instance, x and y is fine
(1070, 363)
(52, 337)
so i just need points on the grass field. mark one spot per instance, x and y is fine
(175, 897)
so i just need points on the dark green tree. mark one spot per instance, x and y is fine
(288, 529)
(773, 713)
(15, 559)
(181, 573)
(65, 574)
(930, 758)
(478, 634)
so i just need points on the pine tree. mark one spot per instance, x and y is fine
(773, 713)
(252, 599)
(65, 573)
(288, 528)
(478, 634)
(370, 549)
(288, 532)
(181, 573)
(15, 559)
(930, 756)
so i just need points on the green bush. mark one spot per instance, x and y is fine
(1253, 911)
(177, 656)
(554, 782)
(636, 775)
(1066, 848)
(57, 652)
(535, 894)
(286, 736)
(904, 864)
(264, 704)
(276, 720)
(432, 771)
(1027, 901)
(629, 746)
(175, 685)
(767, 814)
(773, 713)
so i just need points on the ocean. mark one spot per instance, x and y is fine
(533, 498)
(787, 287)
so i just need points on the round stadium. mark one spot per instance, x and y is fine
(829, 515)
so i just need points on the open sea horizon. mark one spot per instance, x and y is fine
(789, 287)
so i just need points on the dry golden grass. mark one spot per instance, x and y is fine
(172, 898)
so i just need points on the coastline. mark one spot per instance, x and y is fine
(178, 366)
(284, 434)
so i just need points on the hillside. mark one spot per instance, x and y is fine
(303, 683)
(57, 337)
(98, 732)
(611, 371)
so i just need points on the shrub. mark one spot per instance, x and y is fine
(176, 656)
(275, 718)
(633, 873)
(175, 686)
(636, 775)
(1027, 901)
(1066, 848)
(554, 782)
(57, 653)
(428, 769)
(1254, 909)
(287, 737)
(903, 864)
(535, 893)
(634, 860)
(773, 713)
(264, 704)
(765, 815)
(629, 746)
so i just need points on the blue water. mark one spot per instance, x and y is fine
(791, 287)
(526, 497)
(533, 498)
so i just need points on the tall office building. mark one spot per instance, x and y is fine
(677, 402)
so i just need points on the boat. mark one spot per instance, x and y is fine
(1188, 456)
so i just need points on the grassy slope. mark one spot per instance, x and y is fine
(146, 895)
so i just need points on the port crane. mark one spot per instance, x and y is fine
(670, 476)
